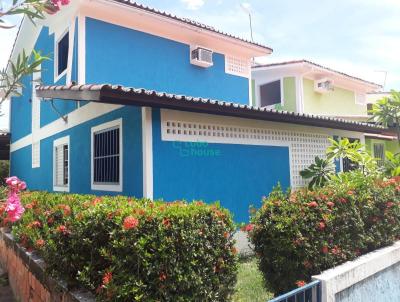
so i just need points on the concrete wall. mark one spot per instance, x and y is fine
(383, 286)
(370, 278)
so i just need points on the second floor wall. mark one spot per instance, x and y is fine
(338, 102)
(292, 89)
(100, 51)
(119, 55)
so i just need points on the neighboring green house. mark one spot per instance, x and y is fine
(305, 87)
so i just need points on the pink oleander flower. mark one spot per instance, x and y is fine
(14, 207)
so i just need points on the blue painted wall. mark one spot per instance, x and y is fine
(45, 43)
(21, 111)
(21, 107)
(236, 175)
(119, 55)
(80, 137)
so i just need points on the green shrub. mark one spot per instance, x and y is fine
(300, 234)
(133, 250)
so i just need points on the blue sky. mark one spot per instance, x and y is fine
(359, 37)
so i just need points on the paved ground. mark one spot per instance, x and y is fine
(5, 290)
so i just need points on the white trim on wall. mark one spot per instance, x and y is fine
(71, 47)
(81, 49)
(75, 118)
(107, 187)
(147, 147)
(56, 143)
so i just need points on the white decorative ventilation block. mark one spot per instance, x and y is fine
(303, 146)
(237, 66)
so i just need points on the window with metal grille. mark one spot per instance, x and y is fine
(379, 153)
(349, 165)
(106, 156)
(61, 164)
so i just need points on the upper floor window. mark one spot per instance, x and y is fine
(107, 156)
(270, 93)
(369, 108)
(61, 55)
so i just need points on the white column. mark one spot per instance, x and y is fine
(147, 147)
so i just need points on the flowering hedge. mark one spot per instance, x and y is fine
(132, 250)
(300, 234)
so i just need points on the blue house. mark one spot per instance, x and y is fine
(142, 103)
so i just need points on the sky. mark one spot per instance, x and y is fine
(359, 37)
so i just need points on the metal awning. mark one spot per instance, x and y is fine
(114, 94)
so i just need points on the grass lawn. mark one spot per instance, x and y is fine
(249, 287)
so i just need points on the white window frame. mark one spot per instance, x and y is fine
(56, 41)
(107, 187)
(258, 92)
(59, 142)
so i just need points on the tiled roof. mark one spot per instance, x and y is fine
(114, 94)
(188, 21)
(316, 65)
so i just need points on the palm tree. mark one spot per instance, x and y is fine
(387, 112)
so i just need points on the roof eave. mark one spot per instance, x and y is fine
(138, 97)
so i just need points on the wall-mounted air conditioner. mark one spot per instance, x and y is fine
(323, 85)
(201, 56)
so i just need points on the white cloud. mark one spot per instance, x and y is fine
(193, 4)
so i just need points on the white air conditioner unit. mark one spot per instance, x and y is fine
(201, 56)
(323, 85)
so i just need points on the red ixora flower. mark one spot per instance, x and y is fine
(330, 204)
(162, 276)
(321, 226)
(249, 227)
(63, 230)
(313, 204)
(40, 243)
(300, 283)
(325, 249)
(66, 209)
(35, 224)
(166, 222)
(130, 222)
(107, 277)
(342, 200)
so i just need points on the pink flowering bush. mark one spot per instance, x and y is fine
(13, 207)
